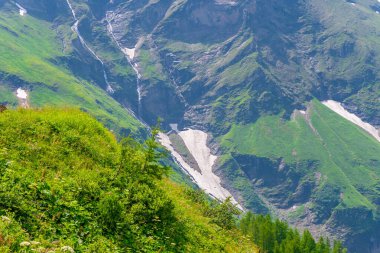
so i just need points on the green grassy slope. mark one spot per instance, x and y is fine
(347, 157)
(28, 49)
(67, 182)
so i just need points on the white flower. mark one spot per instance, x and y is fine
(68, 249)
(35, 243)
(5, 219)
(25, 244)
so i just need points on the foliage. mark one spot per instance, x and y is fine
(223, 214)
(277, 237)
(33, 57)
(67, 184)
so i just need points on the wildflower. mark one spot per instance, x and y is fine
(25, 244)
(5, 219)
(68, 249)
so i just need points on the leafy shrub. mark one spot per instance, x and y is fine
(68, 185)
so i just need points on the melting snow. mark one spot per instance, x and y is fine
(130, 52)
(196, 142)
(339, 109)
(22, 10)
(20, 93)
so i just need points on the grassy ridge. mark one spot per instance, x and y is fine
(348, 156)
(28, 48)
(66, 182)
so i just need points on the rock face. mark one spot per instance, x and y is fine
(216, 64)
(207, 50)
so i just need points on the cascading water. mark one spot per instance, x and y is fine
(129, 54)
(84, 44)
(22, 10)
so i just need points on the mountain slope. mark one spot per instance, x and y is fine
(247, 74)
(273, 59)
(33, 58)
(318, 167)
(66, 184)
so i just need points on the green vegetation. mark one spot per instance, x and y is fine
(276, 237)
(67, 184)
(29, 50)
(151, 69)
(345, 157)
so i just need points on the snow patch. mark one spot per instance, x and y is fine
(20, 93)
(196, 142)
(130, 52)
(339, 109)
(22, 10)
(226, 2)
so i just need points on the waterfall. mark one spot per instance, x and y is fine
(75, 29)
(22, 10)
(129, 54)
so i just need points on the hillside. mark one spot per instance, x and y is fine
(325, 170)
(36, 56)
(239, 85)
(67, 183)
(316, 170)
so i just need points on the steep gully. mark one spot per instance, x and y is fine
(195, 140)
(129, 54)
(84, 44)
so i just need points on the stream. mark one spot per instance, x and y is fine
(84, 44)
(129, 54)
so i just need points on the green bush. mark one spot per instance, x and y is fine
(66, 184)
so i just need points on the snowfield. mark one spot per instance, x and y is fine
(196, 142)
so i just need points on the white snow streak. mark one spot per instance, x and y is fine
(196, 142)
(22, 10)
(20, 93)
